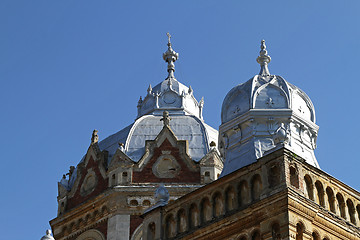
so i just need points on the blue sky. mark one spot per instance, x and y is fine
(68, 67)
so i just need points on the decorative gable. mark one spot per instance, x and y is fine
(166, 159)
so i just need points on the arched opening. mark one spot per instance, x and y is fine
(230, 200)
(194, 216)
(113, 179)
(331, 199)
(170, 227)
(315, 236)
(256, 187)
(242, 238)
(341, 205)
(151, 231)
(294, 177)
(181, 220)
(299, 231)
(275, 231)
(256, 235)
(125, 177)
(218, 204)
(358, 211)
(320, 193)
(243, 193)
(207, 177)
(134, 203)
(274, 176)
(351, 211)
(146, 203)
(206, 213)
(309, 187)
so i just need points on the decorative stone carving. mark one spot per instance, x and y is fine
(94, 137)
(166, 166)
(89, 183)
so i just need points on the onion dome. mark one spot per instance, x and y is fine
(48, 236)
(262, 114)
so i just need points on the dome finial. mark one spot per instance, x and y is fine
(170, 56)
(263, 59)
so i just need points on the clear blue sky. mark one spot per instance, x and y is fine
(68, 67)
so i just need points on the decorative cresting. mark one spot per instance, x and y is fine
(170, 94)
(263, 114)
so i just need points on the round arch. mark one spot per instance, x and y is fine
(91, 234)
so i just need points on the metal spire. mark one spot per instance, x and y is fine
(263, 59)
(170, 56)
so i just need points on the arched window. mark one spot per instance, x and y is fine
(91, 234)
(294, 177)
(315, 236)
(256, 235)
(113, 181)
(170, 226)
(299, 231)
(351, 211)
(146, 203)
(243, 193)
(206, 213)
(256, 187)
(274, 176)
(134, 203)
(151, 231)
(125, 178)
(182, 223)
(341, 205)
(309, 187)
(218, 205)
(230, 200)
(275, 231)
(194, 216)
(331, 199)
(320, 193)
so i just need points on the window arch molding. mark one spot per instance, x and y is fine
(91, 234)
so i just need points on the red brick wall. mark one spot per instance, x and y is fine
(184, 175)
(102, 184)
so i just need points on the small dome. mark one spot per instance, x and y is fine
(48, 236)
(263, 114)
(261, 92)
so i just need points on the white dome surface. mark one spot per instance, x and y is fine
(263, 93)
(185, 127)
(264, 114)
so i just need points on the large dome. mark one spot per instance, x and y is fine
(186, 120)
(264, 114)
(185, 127)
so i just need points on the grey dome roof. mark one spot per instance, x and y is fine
(185, 127)
(266, 93)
